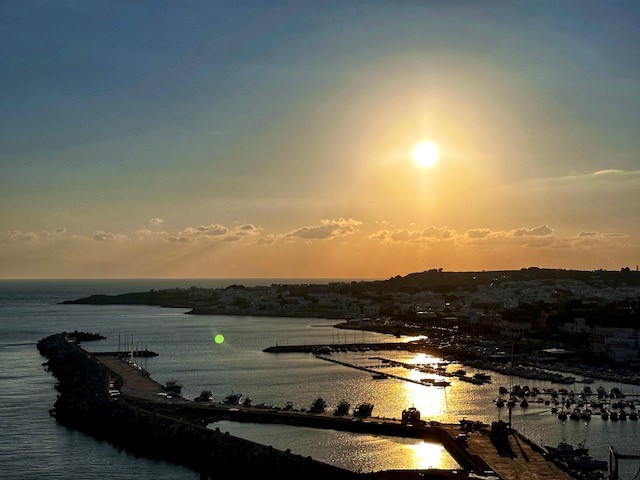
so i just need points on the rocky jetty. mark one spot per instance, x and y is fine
(84, 404)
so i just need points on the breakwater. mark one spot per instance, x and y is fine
(84, 404)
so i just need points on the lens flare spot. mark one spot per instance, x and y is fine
(219, 338)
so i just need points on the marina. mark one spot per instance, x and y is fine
(469, 442)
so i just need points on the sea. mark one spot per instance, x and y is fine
(224, 354)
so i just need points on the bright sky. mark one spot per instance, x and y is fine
(278, 138)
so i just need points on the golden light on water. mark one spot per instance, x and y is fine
(431, 455)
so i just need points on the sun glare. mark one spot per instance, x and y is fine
(425, 154)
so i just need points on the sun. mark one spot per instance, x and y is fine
(425, 154)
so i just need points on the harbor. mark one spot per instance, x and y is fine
(478, 448)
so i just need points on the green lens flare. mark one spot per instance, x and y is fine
(219, 338)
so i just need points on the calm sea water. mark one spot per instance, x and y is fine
(33, 445)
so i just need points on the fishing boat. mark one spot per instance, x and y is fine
(233, 399)
(483, 377)
(173, 386)
(441, 383)
(566, 450)
(411, 416)
(363, 410)
(342, 408)
(205, 396)
(318, 405)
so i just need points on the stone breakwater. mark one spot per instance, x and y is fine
(83, 403)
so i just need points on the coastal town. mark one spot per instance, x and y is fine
(587, 321)
(569, 328)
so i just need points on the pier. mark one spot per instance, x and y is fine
(373, 371)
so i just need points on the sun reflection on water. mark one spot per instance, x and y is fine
(430, 455)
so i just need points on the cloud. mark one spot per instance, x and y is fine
(41, 236)
(146, 233)
(599, 177)
(400, 235)
(216, 232)
(181, 239)
(212, 230)
(428, 234)
(381, 235)
(327, 229)
(478, 233)
(267, 239)
(156, 221)
(246, 230)
(102, 236)
(541, 231)
(202, 232)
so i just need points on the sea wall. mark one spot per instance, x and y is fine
(83, 404)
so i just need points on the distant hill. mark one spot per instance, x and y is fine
(434, 280)
(439, 280)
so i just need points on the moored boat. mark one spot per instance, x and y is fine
(173, 386)
(205, 396)
(233, 399)
(363, 410)
(318, 405)
(342, 408)
(411, 416)
(566, 450)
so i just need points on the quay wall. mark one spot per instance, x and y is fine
(84, 404)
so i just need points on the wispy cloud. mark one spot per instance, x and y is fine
(607, 176)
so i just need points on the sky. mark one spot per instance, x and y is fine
(275, 139)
